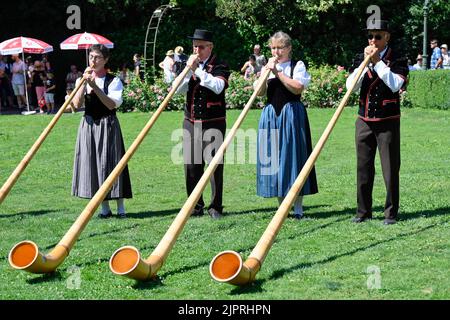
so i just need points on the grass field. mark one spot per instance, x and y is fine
(322, 257)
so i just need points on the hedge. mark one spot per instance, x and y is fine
(426, 89)
(429, 89)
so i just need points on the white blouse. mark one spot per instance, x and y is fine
(300, 73)
(115, 89)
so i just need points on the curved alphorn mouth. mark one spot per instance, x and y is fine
(225, 266)
(23, 255)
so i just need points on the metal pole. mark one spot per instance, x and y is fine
(424, 49)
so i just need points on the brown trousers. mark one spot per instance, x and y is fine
(386, 136)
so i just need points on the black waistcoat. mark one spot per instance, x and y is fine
(202, 104)
(278, 95)
(376, 101)
(94, 107)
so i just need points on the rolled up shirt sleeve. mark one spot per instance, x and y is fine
(391, 79)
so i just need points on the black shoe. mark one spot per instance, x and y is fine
(214, 213)
(360, 219)
(198, 211)
(121, 215)
(105, 216)
(389, 221)
(299, 216)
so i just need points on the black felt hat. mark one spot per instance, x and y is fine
(200, 34)
(382, 25)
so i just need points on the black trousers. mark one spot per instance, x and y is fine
(201, 140)
(386, 136)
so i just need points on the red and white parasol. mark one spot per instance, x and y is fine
(85, 41)
(24, 44)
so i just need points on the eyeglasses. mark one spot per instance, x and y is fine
(376, 36)
(95, 57)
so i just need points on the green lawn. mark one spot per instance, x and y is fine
(323, 257)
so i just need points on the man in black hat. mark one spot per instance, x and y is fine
(378, 122)
(204, 118)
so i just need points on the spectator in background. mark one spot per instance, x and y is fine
(38, 84)
(50, 87)
(260, 59)
(72, 76)
(436, 56)
(168, 66)
(124, 74)
(138, 72)
(249, 67)
(46, 63)
(18, 80)
(418, 65)
(6, 100)
(445, 56)
(180, 60)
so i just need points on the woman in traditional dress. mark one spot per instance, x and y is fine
(284, 137)
(99, 145)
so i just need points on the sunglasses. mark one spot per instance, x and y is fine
(376, 36)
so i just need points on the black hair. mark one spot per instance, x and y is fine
(100, 48)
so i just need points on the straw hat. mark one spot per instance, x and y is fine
(169, 53)
(179, 50)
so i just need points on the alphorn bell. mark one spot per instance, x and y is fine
(26, 256)
(7, 186)
(227, 266)
(127, 261)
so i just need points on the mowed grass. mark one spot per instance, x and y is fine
(322, 257)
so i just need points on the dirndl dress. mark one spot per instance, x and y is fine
(98, 150)
(284, 144)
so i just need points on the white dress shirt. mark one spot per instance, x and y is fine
(392, 80)
(206, 80)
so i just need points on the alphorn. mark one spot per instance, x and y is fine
(26, 256)
(7, 186)
(127, 260)
(227, 266)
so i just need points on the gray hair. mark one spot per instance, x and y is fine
(282, 37)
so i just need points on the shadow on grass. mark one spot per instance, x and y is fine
(424, 214)
(253, 287)
(264, 210)
(95, 234)
(151, 214)
(282, 272)
(55, 276)
(27, 213)
(148, 285)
